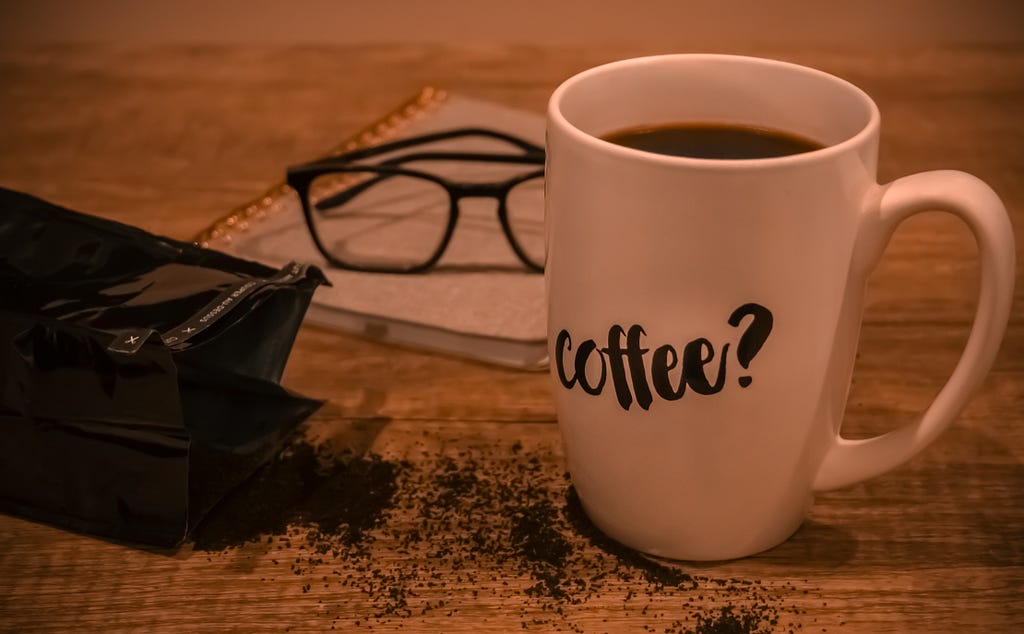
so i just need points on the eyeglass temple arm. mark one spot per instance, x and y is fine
(531, 158)
(351, 192)
(384, 148)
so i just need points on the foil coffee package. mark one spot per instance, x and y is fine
(139, 376)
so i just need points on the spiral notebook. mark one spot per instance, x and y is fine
(479, 302)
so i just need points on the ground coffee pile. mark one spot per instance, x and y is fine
(475, 535)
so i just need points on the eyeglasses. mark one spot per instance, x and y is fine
(387, 218)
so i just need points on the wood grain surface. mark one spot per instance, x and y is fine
(168, 138)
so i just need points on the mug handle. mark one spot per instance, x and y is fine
(970, 199)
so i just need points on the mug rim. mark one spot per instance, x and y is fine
(866, 132)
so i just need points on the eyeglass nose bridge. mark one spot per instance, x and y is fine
(476, 190)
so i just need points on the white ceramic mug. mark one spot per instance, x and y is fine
(704, 314)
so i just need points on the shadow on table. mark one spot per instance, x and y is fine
(959, 503)
(815, 545)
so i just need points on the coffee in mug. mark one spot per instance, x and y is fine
(712, 141)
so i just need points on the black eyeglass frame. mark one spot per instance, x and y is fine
(301, 177)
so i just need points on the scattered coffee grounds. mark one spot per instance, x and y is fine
(339, 498)
(459, 532)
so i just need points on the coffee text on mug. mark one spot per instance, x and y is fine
(624, 354)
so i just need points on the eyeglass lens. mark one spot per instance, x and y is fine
(373, 219)
(524, 206)
(388, 221)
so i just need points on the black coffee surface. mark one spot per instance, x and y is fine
(713, 141)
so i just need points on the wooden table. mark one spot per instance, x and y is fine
(168, 138)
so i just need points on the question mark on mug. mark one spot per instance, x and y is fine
(753, 337)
